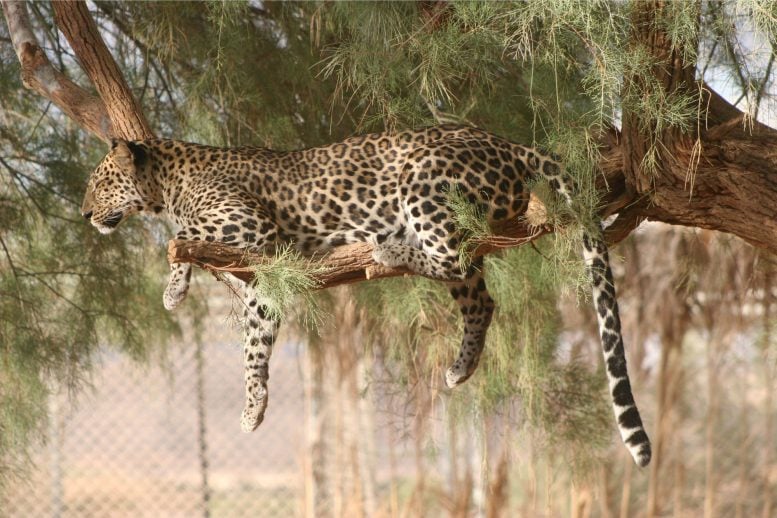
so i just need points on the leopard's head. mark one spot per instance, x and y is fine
(114, 189)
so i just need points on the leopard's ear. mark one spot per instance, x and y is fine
(128, 155)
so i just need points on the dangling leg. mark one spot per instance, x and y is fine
(467, 287)
(259, 331)
(476, 307)
(432, 222)
(469, 290)
(178, 284)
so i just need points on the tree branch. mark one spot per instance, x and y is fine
(353, 263)
(721, 177)
(39, 74)
(115, 113)
(75, 22)
(344, 265)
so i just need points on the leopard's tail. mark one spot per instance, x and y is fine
(629, 422)
(598, 262)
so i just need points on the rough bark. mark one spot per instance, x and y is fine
(722, 177)
(732, 188)
(344, 265)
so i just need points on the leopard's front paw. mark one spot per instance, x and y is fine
(174, 294)
(253, 412)
(458, 373)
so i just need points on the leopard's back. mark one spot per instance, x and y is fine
(348, 191)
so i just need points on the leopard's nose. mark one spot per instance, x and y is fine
(88, 215)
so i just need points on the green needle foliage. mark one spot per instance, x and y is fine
(283, 281)
(64, 289)
(471, 223)
(419, 327)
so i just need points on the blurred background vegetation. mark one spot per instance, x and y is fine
(698, 307)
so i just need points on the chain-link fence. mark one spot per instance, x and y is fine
(340, 438)
(344, 438)
(165, 440)
(151, 441)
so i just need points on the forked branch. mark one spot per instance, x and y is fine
(115, 113)
(80, 29)
(38, 74)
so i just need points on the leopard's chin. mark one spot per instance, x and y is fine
(104, 230)
(110, 223)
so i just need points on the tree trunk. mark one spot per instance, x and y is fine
(628, 472)
(723, 177)
(712, 366)
(318, 482)
(768, 404)
(671, 327)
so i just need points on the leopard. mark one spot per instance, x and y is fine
(388, 189)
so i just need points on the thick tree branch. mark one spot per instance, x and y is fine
(721, 177)
(38, 74)
(353, 263)
(75, 22)
(115, 113)
(344, 265)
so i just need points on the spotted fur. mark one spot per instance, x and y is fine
(390, 190)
